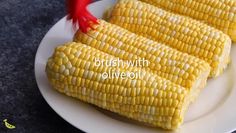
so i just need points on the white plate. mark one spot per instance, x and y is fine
(213, 112)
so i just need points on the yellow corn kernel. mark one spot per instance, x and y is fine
(156, 101)
(179, 32)
(219, 14)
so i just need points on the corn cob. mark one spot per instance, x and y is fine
(149, 98)
(220, 14)
(180, 68)
(181, 33)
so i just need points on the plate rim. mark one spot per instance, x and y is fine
(47, 100)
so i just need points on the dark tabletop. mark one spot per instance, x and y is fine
(23, 23)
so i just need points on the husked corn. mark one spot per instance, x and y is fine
(178, 67)
(220, 14)
(179, 32)
(149, 98)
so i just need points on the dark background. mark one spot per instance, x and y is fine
(23, 23)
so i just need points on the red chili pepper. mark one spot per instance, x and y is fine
(79, 14)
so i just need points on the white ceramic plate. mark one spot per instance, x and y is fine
(213, 112)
